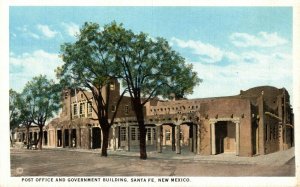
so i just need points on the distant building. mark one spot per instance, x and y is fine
(257, 121)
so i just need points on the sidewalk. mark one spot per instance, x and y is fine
(274, 159)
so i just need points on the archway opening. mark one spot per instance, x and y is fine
(35, 137)
(66, 138)
(73, 138)
(254, 138)
(225, 137)
(96, 137)
(59, 138)
(45, 138)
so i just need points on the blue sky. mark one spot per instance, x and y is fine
(231, 48)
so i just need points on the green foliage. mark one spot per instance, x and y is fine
(149, 66)
(41, 99)
(88, 63)
(14, 112)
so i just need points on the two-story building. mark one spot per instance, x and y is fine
(257, 121)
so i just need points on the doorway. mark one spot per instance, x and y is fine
(59, 138)
(96, 137)
(225, 137)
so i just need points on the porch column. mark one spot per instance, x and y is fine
(43, 140)
(146, 136)
(237, 138)
(191, 135)
(63, 143)
(199, 139)
(173, 138)
(117, 135)
(177, 132)
(48, 138)
(55, 137)
(159, 138)
(213, 139)
(127, 138)
(78, 137)
(89, 130)
(194, 138)
(114, 139)
(280, 130)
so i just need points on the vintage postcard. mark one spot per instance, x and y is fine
(196, 95)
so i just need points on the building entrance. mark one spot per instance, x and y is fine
(66, 139)
(45, 138)
(59, 138)
(73, 138)
(96, 137)
(225, 137)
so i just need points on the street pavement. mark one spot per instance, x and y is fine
(80, 162)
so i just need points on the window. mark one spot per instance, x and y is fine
(75, 112)
(148, 130)
(112, 86)
(123, 134)
(168, 135)
(133, 133)
(126, 109)
(89, 109)
(82, 109)
(154, 133)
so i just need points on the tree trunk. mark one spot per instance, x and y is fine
(40, 137)
(27, 137)
(143, 151)
(140, 118)
(105, 132)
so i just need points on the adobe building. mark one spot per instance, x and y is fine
(257, 121)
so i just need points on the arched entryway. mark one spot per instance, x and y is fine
(59, 138)
(73, 138)
(168, 136)
(254, 138)
(188, 136)
(66, 137)
(96, 137)
(45, 136)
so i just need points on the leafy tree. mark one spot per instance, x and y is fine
(89, 65)
(150, 68)
(43, 97)
(13, 110)
(26, 106)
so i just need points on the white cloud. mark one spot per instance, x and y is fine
(47, 31)
(71, 28)
(27, 33)
(27, 65)
(207, 52)
(262, 39)
(273, 69)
